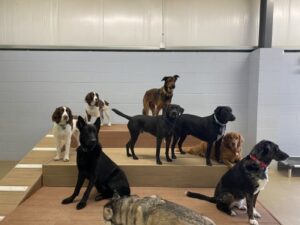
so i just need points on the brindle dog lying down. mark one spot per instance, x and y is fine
(150, 211)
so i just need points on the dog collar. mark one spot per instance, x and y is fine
(261, 164)
(218, 122)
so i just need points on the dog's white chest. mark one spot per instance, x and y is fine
(60, 132)
(93, 111)
(262, 183)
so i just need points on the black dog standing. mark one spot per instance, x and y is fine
(159, 126)
(93, 164)
(210, 129)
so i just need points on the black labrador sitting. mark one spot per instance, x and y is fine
(160, 126)
(245, 180)
(93, 164)
(210, 129)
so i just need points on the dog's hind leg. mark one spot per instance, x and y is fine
(104, 193)
(128, 148)
(225, 208)
(181, 140)
(207, 154)
(107, 114)
(217, 149)
(133, 140)
(168, 140)
(255, 213)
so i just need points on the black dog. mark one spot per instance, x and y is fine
(93, 164)
(245, 180)
(159, 126)
(210, 129)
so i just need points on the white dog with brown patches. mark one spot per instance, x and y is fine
(97, 107)
(62, 131)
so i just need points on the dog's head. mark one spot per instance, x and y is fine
(92, 99)
(224, 114)
(62, 115)
(172, 111)
(170, 81)
(88, 133)
(265, 151)
(233, 141)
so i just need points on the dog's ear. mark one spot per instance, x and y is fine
(165, 78)
(69, 111)
(97, 124)
(80, 123)
(108, 213)
(181, 110)
(88, 97)
(217, 110)
(241, 140)
(55, 116)
(176, 76)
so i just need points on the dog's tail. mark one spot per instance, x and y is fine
(121, 114)
(201, 196)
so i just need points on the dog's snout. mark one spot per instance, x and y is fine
(65, 117)
(233, 117)
(172, 87)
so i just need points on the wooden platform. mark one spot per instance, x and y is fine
(45, 208)
(117, 136)
(185, 171)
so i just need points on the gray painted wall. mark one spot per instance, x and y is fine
(33, 83)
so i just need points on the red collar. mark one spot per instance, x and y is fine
(261, 164)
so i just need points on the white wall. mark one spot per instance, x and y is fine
(286, 32)
(129, 23)
(33, 83)
(274, 106)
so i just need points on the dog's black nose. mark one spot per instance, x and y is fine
(172, 87)
(65, 117)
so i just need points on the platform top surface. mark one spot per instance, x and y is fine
(146, 158)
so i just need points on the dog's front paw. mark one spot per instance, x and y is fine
(56, 158)
(80, 205)
(67, 200)
(109, 124)
(208, 163)
(174, 156)
(135, 157)
(233, 213)
(169, 160)
(253, 222)
(158, 162)
(182, 152)
(66, 159)
(256, 214)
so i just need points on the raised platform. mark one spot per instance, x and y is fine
(45, 208)
(117, 136)
(185, 171)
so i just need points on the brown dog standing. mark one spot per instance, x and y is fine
(230, 150)
(157, 98)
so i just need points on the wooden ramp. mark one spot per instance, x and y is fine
(45, 208)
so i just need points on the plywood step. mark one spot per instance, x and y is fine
(117, 136)
(185, 171)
